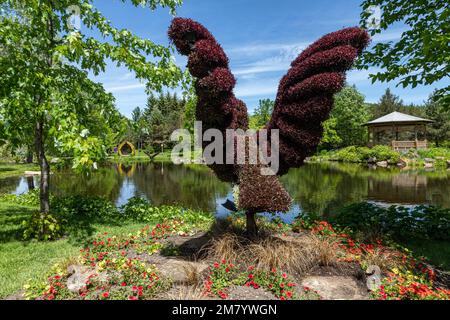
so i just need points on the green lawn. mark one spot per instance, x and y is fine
(20, 261)
(437, 252)
(16, 169)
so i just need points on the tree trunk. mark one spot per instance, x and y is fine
(30, 183)
(29, 155)
(44, 195)
(252, 227)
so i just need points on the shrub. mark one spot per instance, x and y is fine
(42, 227)
(141, 210)
(31, 198)
(361, 154)
(384, 153)
(94, 209)
(422, 222)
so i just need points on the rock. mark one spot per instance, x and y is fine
(16, 296)
(372, 160)
(429, 160)
(32, 173)
(336, 287)
(78, 278)
(249, 293)
(178, 271)
(183, 292)
(80, 275)
(428, 165)
(189, 245)
(383, 164)
(402, 163)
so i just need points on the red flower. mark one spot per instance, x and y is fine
(284, 275)
(123, 284)
(132, 298)
(105, 294)
(250, 276)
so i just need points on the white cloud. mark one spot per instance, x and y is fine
(387, 36)
(257, 88)
(264, 48)
(359, 76)
(124, 87)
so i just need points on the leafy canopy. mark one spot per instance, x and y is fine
(422, 55)
(45, 65)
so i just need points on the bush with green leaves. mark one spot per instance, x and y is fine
(30, 198)
(421, 222)
(361, 154)
(96, 209)
(139, 209)
(43, 227)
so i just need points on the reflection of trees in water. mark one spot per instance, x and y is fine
(8, 185)
(191, 186)
(322, 188)
(317, 188)
(104, 182)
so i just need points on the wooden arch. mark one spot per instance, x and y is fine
(130, 145)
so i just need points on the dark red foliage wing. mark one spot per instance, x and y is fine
(217, 106)
(305, 93)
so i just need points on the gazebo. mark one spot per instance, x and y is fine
(399, 130)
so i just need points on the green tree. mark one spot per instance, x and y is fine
(330, 138)
(262, 114)
(163, 115)
(45, 63)
(436, 110)
(349, 113)
(422, 54)
(388, 103)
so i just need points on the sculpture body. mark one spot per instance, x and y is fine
(303, 102)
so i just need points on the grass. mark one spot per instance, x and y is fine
(16, 169)
(141, 156)
(21, 261)
(437, 252)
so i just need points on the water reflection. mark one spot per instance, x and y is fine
(315, 188)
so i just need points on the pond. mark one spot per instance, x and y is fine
(319, 188)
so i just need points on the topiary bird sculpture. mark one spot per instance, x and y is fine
(304, 100)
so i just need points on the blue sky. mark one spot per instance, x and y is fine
(261, 38)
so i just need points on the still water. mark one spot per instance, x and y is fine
(321, 188)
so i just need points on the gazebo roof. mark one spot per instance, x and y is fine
(397, 117)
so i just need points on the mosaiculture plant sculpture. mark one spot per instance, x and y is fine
(303, 102)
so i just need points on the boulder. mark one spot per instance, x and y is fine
(79, 275)
(336, 287)
(428, 165)
(372, 160)
(402, 163)
(383, 164)
(429, 160)
(249, 293)
(177, 270)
